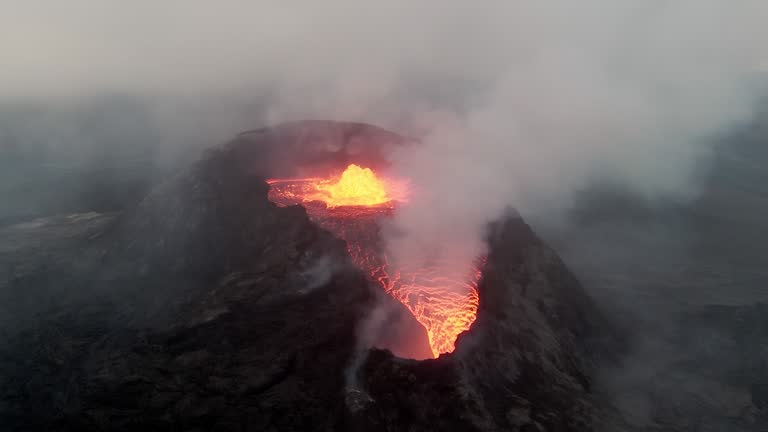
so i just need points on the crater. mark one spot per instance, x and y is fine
(350, 193)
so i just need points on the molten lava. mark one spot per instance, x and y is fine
(356, 187)
(349, 205)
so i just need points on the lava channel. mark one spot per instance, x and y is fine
(350, 205)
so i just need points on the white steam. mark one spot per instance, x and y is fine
(517, 102)
(631, 92)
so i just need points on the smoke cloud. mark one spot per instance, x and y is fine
(516, 103)
(625, 92)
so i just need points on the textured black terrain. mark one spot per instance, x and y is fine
(200, 305)
(207, 307)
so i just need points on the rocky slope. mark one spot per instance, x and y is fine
(207, 307)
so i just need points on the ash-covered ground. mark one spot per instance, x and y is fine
(196, 304)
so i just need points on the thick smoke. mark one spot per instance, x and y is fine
(516, 103)
(625, 92)
(549, 93)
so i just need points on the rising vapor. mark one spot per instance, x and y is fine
(516, 103)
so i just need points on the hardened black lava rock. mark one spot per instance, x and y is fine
(207, 307)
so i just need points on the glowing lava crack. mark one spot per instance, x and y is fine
(349, 205)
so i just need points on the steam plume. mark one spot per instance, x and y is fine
(516, 102)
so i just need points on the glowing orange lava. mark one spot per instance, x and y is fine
(443, 301)
(445, 304)
(355, 187)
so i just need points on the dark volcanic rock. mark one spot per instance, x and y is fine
(218, 310)
(525, 364)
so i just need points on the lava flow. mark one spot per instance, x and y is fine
(349, 205)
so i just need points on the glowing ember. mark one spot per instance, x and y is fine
(444, 303)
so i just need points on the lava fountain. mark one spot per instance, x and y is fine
(350, 205)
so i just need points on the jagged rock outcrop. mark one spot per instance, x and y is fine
(525, 363)
(217, 310)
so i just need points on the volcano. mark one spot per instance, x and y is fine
(252, 291)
